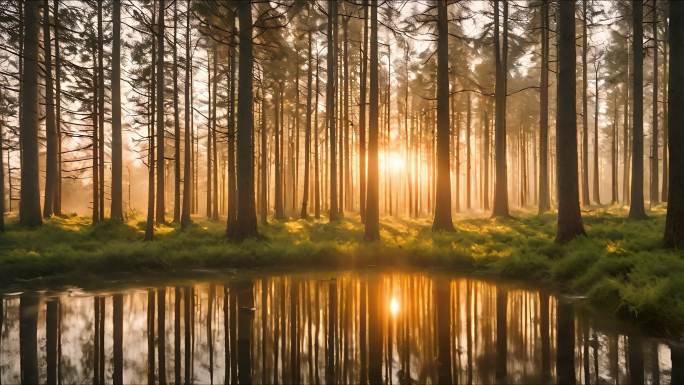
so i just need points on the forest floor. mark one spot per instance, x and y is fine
(620, 265)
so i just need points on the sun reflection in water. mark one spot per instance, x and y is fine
(394, 306)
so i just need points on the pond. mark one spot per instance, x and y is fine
(326, 327)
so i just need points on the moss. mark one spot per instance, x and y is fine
(620, 265)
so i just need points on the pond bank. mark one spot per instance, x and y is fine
(620, 265)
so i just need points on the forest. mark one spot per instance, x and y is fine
(342, 191)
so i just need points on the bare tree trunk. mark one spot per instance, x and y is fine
(161, 208)
(176, 123)
(117, 161)
(246, 211)
(654, 197)
(100, 111)
(57, 205)
(636, 208)
(317, 176)
(585, 111)
(96, 143)
(665, 187)
(442, 220)
(232, 199)
(188, 161)
(330, 100)
(50, 129)
(372, 228)
(362, 115)
(674, 225)
(544, 195)
(569, 215)
(278, 188)
(596, 186)
(501, 183)
(307, 135)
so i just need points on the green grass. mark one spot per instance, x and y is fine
(620, 265)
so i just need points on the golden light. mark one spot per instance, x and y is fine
(393, 160)
(394, 306)
(396, 162)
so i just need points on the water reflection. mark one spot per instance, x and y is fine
(367, 328)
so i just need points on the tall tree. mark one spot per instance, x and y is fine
(232, 199)
(674, 224)
(307, 135)
(636, 208)
(100, 112)
(50, 125)
(569, 215)
(246, 211)
(187, 163)
(362, 114)
(331, 89)
(544, 195)
(372, 223)
(176, 123)
(500, 208)
(654, 193)
(29, 204)
(117, 162)
(596, 191)
(585, 112)
(161, 174)
(442, 220)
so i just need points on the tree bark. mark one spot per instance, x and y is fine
(232, 199)
(596, 187)
(636, 208)
(500, 208)
(372, 223)
(176, 124)
(585, 111)
(50, 129)
(362, 115)
(569, 215)
(654, 197)
(307, 135)
(188, 161)
(117, 161)
(29, 205)
(246, 211)
(161, 175)
(442, 220)
(674, 224)
(544, 195)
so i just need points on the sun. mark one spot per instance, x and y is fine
(394, 306)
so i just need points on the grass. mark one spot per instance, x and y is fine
(620, 265)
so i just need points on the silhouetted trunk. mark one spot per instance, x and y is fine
(674, 225)
(50, 127)
(636, 208)
(263, 193)
(307, 135)
(188, 168)
(442, 220)
(362, 114)
(28, 303)
(345, 65)
(232, 198)
(57, 205)
(614, 153)
(654, 193)
(544, 195)
(209, 130)
(585, 111)
(176, 123)
(372, 228)
(565, 320)
(100, 113)
(278, 180)
(331, 89)
(117, 161)
(501, 55)
(317, 175)
(596, 189)
(569, 215)
(29, 204)
(149, 225)
(2, 180)
(161, 175)
(246, 211)
(666, 87)
(245, 295)
(96, 142)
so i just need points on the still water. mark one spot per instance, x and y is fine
(344, 327)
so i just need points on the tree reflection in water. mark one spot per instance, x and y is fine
(370, 327)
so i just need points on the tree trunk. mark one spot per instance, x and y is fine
(161, 209)
(232, 199)
(29, 205)
(654, 197)
(176, 124)
(442, 220)
(674, 225)
(149, 225)
(117, 161)
(57, 205)
(214, 149)
(188, 161)
(246, 211)
(96, 142)
(614, 154)
(278, 188)
(307, 135)
(569, 216)
(596, 186)
(372, 223)
(501, 183)
(636, 208)
(317, 177)
(29, 304)
(362, 115)
(585, 111)
(665, 114)
(50, 129)
(544, 195)
(330, 110)
(263, 206)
